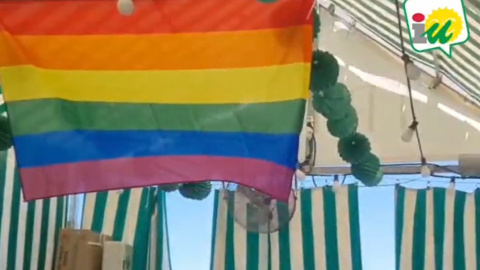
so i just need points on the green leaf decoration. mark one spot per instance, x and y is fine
(331, 108)
(196, 191)
(345, 126)
(5, 134)
(324, 72)
(169, 187)
(354, 148)
(368, 171)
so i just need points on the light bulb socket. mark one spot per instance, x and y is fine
(413, 125)
(423, 160)
(406, 59)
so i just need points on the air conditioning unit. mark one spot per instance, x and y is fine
(469, 165)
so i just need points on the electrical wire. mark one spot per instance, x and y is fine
(410, 95)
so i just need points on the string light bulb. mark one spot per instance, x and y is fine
(413, 72)
(336, 184)
(451, 186)
(407, 135)
(125, 7)
(425, 170)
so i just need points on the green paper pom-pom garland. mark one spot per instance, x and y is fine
(325, 71)
(196, 191)
(367, 170)
(354, 148)
(333, 100)
(345, 126)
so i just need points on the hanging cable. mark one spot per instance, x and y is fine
(406, 61)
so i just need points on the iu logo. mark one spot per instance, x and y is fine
(436, 25)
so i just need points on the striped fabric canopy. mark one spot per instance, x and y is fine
(437, 229)
(380, 17)
(100, 101)
(135, 216)
(324, 234)
(28, 231)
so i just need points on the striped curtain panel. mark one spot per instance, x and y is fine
(159, 245)
(437, 229)
(324, 234)
(126, 215)
(28, 231)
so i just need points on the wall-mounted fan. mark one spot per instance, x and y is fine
(258, 212)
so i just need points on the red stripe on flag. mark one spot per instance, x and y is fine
(57, 180)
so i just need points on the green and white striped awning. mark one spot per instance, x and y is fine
(324, 234)
(437, 229)
(28, 231)
(135, 216)
(379, 17)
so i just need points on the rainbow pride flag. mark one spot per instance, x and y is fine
(180, 91)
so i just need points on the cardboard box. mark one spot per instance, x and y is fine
(75, 246)
(117, 256)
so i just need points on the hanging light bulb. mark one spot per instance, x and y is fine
(125, 7)
(407, 135)
(413, 72)
(300, 175)
(336, 184)
(451, 186)
(425, 170)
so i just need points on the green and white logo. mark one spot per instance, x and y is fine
(436, 25)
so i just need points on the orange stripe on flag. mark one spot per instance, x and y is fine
(159, 52)
(81, 17)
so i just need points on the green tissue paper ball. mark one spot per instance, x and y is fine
(196, 191)
(354, 148)
(324, 72)
(345, 126)
(338, 91)
(5, 134)
(169, 187)
(330, 109)
(368, 171)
